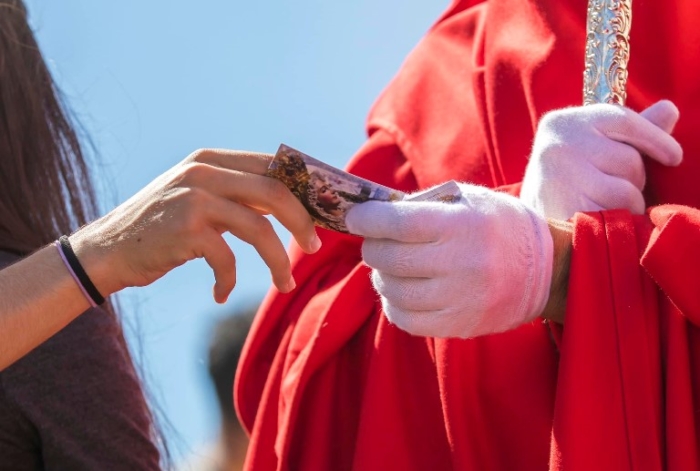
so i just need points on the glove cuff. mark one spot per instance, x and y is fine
(539, 277)
(523, 264)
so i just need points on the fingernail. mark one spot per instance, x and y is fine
(217, 295)
(316, 243)
(291, 284)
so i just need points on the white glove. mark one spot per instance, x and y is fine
(478, 266)
(590, 158)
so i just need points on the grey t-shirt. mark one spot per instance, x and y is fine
(75, 403)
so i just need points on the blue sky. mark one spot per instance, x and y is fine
(153, 81)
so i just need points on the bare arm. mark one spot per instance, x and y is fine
(180, 216)
(29, 289)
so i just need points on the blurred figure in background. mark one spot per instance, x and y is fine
(225, 349)
(227, 339)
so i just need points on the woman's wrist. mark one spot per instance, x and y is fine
(97, 259)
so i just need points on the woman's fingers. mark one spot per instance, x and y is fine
(250, 227)
(272, 196)
(242, 161)
(222, 261)
(182, 214)
(264, 194)
(241, 196)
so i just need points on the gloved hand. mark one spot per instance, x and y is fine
(590, 158)
(478, 266)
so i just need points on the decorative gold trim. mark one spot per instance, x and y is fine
(607, 51)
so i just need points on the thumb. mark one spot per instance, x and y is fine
(662, 114)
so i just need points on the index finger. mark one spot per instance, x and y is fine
(262, 193)
(242, 161)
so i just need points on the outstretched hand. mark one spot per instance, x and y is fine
(183, 214)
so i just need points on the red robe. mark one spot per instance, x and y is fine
(327, 383)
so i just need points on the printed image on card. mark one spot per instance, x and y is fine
(326, 192)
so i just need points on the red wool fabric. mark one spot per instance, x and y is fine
(327, 383)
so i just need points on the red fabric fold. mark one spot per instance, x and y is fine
(627, 395)
(608, 391)
(326, 383)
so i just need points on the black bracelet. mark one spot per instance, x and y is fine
(80, 271)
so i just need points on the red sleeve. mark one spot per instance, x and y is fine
(672, 258)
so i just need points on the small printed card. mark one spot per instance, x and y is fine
(328, 193)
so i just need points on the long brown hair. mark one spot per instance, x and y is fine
(45, 184)
(45, 187)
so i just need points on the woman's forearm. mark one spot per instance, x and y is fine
(38, 297)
